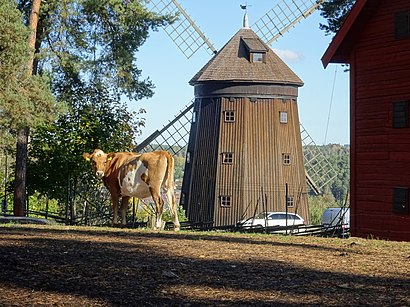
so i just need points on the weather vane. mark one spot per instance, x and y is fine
(245, 17)
(244, 6)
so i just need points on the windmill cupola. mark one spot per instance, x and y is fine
(245, 143)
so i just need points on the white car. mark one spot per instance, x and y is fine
(271, 219)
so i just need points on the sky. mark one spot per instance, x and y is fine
(323, 101)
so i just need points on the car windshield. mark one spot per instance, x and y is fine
(277, 216)
(261, 215)
(282, 216)
(293, 217)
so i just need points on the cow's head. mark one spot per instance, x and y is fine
(99, 160)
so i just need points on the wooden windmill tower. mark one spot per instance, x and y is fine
(244, 153)
(245, 144)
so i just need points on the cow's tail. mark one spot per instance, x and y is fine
(170, 188)
(169, 173)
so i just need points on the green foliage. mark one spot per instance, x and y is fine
(88, 40)
(41, 203)
(145, 212)
(335, 12)
(179, 168)
(318, 204)
(96, 120)
(89, 49)
(166, 216)
(25, 100)
(336, 191)
(338, 156)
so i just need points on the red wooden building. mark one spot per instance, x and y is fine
(375, 41)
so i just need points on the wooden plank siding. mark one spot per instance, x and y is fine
(380, 68)
(256, 179)
(199, 188)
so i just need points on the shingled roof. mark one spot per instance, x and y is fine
(231, 64)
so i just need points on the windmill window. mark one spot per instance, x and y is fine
(182, 200)
(402, 25)
(229, 116)
(286, 159)
(400, 114)
(188, 157)
(258, 57)
(194, 117)
(225, 200)
(283, 117)
(227, 158)
(290, 201)
(401, 200)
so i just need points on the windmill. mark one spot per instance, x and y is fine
(189, 39)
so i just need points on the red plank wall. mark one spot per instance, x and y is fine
(380, 75)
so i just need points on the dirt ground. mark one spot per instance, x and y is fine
(78, 266)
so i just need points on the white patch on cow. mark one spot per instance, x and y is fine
(99, 153)
(132, 184)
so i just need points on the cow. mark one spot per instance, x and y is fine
(130, 174)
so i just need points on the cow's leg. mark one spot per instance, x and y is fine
(115, 199)
(159, 207)
(172, 204)
(124, 207)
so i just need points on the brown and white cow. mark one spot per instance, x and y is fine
(127, 174)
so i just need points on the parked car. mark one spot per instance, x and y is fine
(271, 219)
(336, 217)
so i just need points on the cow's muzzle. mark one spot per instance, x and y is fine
(99, 174)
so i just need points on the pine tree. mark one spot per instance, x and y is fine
(335, 11)
(25, 100)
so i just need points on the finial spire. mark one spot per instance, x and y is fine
(245, 16)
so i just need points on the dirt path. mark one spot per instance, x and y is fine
(73, 266)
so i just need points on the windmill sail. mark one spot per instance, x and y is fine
(319, 171)
(283, 17)
(186, 35)
(172, 137)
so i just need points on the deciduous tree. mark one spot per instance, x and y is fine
(89, 48)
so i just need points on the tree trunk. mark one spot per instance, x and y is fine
(35, 10)
(21, 168)
(22, 140)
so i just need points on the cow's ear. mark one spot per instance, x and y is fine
(87, 156)
(110, 155)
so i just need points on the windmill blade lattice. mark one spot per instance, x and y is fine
(172, 137)
(184, 32)
(283, 17)
(319, 170)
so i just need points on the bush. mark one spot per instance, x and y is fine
(318, 204)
